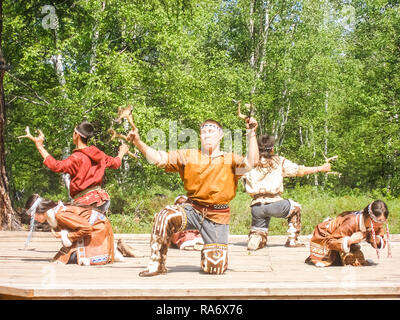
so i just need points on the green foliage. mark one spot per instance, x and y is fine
(321, 82)
(137, 212)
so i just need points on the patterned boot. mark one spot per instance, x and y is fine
(166, 222)
(294, 223)
(214, 258)
(257, 240)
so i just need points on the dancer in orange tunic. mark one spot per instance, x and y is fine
(336, 241)
(86, 234)
(210, 178)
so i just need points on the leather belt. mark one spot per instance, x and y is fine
(83, 192)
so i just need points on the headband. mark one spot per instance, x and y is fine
(81, 134)
(210, 125)
(263, 148)
(181, 196)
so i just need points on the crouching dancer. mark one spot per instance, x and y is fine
(86, 234)
(210, 178)
(335, 241)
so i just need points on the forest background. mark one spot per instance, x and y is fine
(324, 78)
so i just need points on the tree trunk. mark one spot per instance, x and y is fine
(258, 55)
(8, 217)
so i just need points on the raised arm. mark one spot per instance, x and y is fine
(153, 156)
(252, 155)
(39, 141)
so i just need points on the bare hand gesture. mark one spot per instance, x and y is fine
(39, 140)
(251, 123)
(123, 149)
(326, 167)
(56, 234)
(133, 136)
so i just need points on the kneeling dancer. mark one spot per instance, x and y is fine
(86, 233)
(336, 241)
(210, 178)
(264, 184)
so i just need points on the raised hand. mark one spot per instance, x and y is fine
(39, 140)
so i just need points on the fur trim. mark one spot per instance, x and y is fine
(362, 224)
(345, 244)
(293, 205)
(84, 262)
(382, 243)
(51, 219)
(64, 239)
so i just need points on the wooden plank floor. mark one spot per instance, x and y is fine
(274, 272)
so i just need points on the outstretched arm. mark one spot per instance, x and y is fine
(42, 150)
(152, 155)
(326, 167)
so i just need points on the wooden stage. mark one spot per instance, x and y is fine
(274, 272)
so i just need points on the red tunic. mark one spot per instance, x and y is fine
(86, 168)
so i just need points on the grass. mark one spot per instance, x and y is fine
(138, 210)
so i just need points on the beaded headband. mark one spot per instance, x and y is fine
(210, 125)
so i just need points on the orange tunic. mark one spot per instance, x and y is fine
(90, 233)
(208, 181)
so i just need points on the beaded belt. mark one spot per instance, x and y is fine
(210, 207)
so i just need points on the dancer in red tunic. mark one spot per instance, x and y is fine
(86, 166)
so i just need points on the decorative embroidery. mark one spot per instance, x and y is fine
(214, 258)
(64, 250)
(99, 259)
(96, 215)
(318, 251)
(220, 206)
(81, 250)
